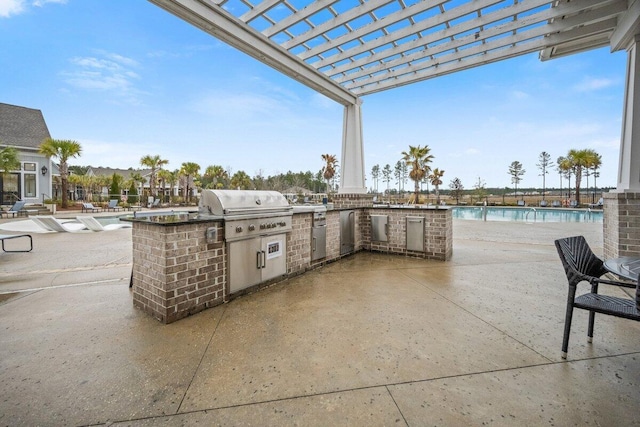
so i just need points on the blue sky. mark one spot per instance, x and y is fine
(125, 79)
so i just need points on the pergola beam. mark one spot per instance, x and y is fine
(557, 26)
(435, 68)
(213, 19)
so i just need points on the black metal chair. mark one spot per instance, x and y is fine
(582, 265)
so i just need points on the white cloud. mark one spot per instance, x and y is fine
(41, 3)
(11, 7)
(109, 72)
(16, 7)
(518, 94)
(589, 84)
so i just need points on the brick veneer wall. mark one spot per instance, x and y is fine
(176, 273)
(351, 201)
(438, 232)
(621, 224)
(299, 244)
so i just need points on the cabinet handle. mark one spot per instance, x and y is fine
(258, 260)
(314, 243)
(264, 259)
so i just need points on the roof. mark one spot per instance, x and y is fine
(126, 173)
(346, 49)
(22, 127)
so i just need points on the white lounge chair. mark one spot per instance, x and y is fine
(92, 224)
(15, 209)
(50, 223)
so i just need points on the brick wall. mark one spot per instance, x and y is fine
(621, 224)
(299, 244)
(175, 271)
(438, 232)
(351, 201)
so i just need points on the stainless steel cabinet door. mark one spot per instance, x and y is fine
(274, 256)
(245, 260)
(347, 232)
(318, 242)
(415, 233)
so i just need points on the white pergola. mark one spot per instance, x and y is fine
(346, 49)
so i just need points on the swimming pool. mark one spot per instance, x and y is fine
(527, 214)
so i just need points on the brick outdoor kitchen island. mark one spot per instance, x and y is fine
(181, 261)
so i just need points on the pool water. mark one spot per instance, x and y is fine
(528, 214)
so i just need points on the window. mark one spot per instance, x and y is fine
(29, 184)
(30, 167)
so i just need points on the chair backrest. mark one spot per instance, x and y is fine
(17, 206)
(578, 260)
(113, 203)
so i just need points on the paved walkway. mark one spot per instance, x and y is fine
(369, 340)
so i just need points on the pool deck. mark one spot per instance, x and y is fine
(369, 340)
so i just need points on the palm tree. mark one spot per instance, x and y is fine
(329, 169)
(241, 180)
(63, 150)
(173, 178)
(580, 160)
(418, 158)
(154, 163)
(516, 172)
(163, 177)
(565, 167)
(436, 182)
(9, 160)
(189, 170)
(217, 175)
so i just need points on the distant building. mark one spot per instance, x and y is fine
(25, 129)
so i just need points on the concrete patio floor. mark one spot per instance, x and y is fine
(369, 340)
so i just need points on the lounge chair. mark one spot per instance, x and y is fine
(154, 204)
(88, 207)
(543, 203)
(15, 209)
(92, 224)
(521, 203)
(113, 205)
(50, 223)
(556, 204)
(582, 265)
(597, 205)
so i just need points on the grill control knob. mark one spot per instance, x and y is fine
(262, 226)
(273, 225)
(252, 227)
(239, 229)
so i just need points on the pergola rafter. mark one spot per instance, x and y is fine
(346, 49)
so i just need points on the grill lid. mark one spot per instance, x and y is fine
(242, 202)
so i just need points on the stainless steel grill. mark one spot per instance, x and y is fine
(255, 227)
(247, 213)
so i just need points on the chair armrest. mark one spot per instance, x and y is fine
(615, 283)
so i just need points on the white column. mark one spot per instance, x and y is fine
(352, 162)
(629, 166)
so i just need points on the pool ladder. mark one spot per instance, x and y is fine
(535, 214)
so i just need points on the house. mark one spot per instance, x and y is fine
(25, 129)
